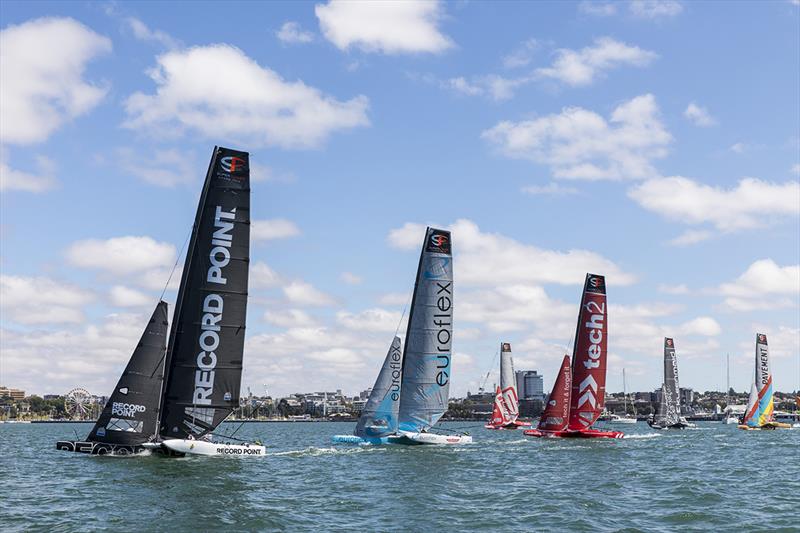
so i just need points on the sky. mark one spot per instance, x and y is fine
(654, 142)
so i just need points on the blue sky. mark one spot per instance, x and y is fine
(655, 142)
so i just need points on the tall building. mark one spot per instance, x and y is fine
(530, 385)
(14, 394)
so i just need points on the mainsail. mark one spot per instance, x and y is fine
(763, 381)
(672, 399)
(556, 412)
(379, 416)
(427, 353)
(508, 385)
(589, 355)
(500, 413)
(130, 414)
(204, 355)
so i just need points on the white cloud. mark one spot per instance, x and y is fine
(699, 116)
(796, 169)
(654, 9)
(290, 318)
(143, 33)
(484, 258)
(522, 55)
(249, 104)
(121, 255)
(673, 289)
(164, 168)
(515, 308)
(764, 285)
(292, 33)
(41, 300)
(16, 180)
(276, 228)
(492, 86)
(583, 67)
(751, 204)
(689, 237)
(55, 361)
(263, 277)
(126, 297)
(395, 298)
(389, 26)
(551, 189)
(305, 294)
(580, 144)
(350, 278)
(703, 325)
(599, 9)
(738, 147)
(42, 63)
(376, 319)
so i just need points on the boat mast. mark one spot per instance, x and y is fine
(624, 392)
(728, 382)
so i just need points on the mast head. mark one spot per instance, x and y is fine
(505, 346)
(438, 241)
(595, 283)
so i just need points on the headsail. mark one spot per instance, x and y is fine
(763, 381)
(661, 412)
(672, 399)
(589, 355)
(751, 413)
(427, 353)
(500, 413)
(508, 383)
(204, 355)
(379, 416)
(556, 412)
(129, 417)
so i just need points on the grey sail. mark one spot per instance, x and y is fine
(661, 414)
(672, 399)
(129, 417)
(508, 382)
(379, 416)
(427, 353)
(206, 343)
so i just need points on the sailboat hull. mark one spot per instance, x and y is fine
(573, 434)
(99, 448)
(200, 447)
(766, 427)
(514, 425)
(409, 437)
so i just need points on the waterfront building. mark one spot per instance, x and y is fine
(530, 385)
(14, 394)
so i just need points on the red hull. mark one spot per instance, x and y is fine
(571, 434)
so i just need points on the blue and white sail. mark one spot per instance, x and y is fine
(427, 355)
(380, 414)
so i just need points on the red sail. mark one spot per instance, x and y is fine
(556, 412)
(499, 417)
(589, 355)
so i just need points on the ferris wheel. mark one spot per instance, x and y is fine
(78, 403)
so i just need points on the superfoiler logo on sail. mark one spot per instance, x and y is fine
(213, 306)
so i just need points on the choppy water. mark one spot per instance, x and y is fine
(710, 478)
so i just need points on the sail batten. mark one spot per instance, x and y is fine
(589, 355)
(130, 414)
(204, 355)
(427, 352)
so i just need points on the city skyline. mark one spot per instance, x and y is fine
(620, 141)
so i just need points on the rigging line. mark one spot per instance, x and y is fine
(172, 272)
(399, 322)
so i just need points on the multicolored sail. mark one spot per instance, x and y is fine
(427, 353)
(763, 381)
(379, 416)
(130, 415)
(556, 412)
(501, 416)
(751, 413)
(204, 355)
(589, 355)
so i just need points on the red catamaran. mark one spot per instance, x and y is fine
(578, 394)
(506, 399)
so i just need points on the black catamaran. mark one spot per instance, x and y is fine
(186, 390)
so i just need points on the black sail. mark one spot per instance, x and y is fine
(204, 355)
(131, 413)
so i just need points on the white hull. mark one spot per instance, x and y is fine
(621, 420)
(731, 420)
(434, 438)
(201, 447)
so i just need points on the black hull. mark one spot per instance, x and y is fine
(101, 448)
